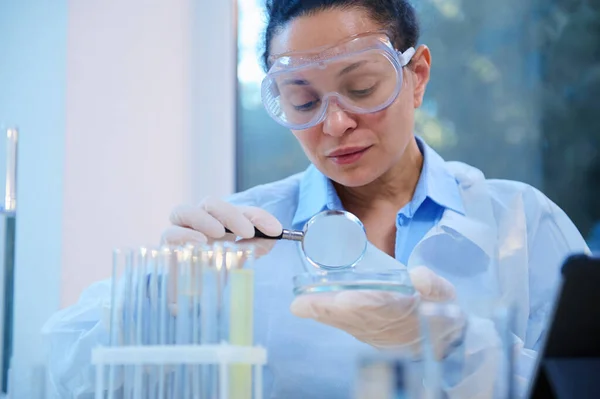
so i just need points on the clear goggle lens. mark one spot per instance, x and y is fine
(296, 92)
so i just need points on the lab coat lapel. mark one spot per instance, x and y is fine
(483, 252)
(463, 247)
(505, 241)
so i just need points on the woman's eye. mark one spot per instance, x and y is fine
(306, 106)
(362, 92)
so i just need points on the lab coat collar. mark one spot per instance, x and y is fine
(438, 183)
(476, 224)
(317, 192)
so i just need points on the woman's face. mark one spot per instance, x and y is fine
(376, 142)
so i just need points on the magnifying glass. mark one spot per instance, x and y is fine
(330, 240)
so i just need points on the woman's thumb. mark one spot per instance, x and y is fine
(431, 286)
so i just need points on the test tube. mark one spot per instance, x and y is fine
(151, 318)
(210, 310)
(241, 315)
(200, 261)
(127, 303)
(167, 266)
(183, 322)
(119, 314)
(140, 317)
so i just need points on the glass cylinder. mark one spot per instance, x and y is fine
(388, 375)
(467, 350)
(7, 253)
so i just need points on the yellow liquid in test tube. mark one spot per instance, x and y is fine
(241, 325)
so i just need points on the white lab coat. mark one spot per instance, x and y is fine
(510, 244)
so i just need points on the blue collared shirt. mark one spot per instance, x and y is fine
(436, 191)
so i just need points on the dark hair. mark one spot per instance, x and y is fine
(398, 17)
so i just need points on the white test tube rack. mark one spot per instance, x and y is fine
(221, 355)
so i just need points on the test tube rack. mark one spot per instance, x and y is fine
(223, 356)
(181, 325)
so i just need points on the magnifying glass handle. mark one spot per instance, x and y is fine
(293, 235)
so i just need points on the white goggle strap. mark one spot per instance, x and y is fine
(406, 56)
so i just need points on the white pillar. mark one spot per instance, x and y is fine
(213, 101)
(150, 123)
(128, 130)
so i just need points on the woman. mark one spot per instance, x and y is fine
(352, 107)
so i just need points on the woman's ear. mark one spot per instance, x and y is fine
(420, 66)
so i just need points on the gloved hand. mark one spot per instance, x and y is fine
(207, 221)
(379, 318)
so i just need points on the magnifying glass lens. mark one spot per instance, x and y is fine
(334, 240)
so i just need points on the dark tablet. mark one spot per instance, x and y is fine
(568, 365)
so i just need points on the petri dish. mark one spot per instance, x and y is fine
(331, 281)
(338, 257)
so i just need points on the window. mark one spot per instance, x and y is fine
(265, 150)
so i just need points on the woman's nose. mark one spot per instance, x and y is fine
(337, 121)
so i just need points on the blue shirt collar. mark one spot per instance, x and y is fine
(317, 192)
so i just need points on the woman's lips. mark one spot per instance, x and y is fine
(348, 155)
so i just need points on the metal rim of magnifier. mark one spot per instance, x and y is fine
(322, 215)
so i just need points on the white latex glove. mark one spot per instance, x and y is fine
(379, 318)
(207, 221)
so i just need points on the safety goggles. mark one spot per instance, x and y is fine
(362, 74)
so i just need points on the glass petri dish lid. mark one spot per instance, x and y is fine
(343, 280)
